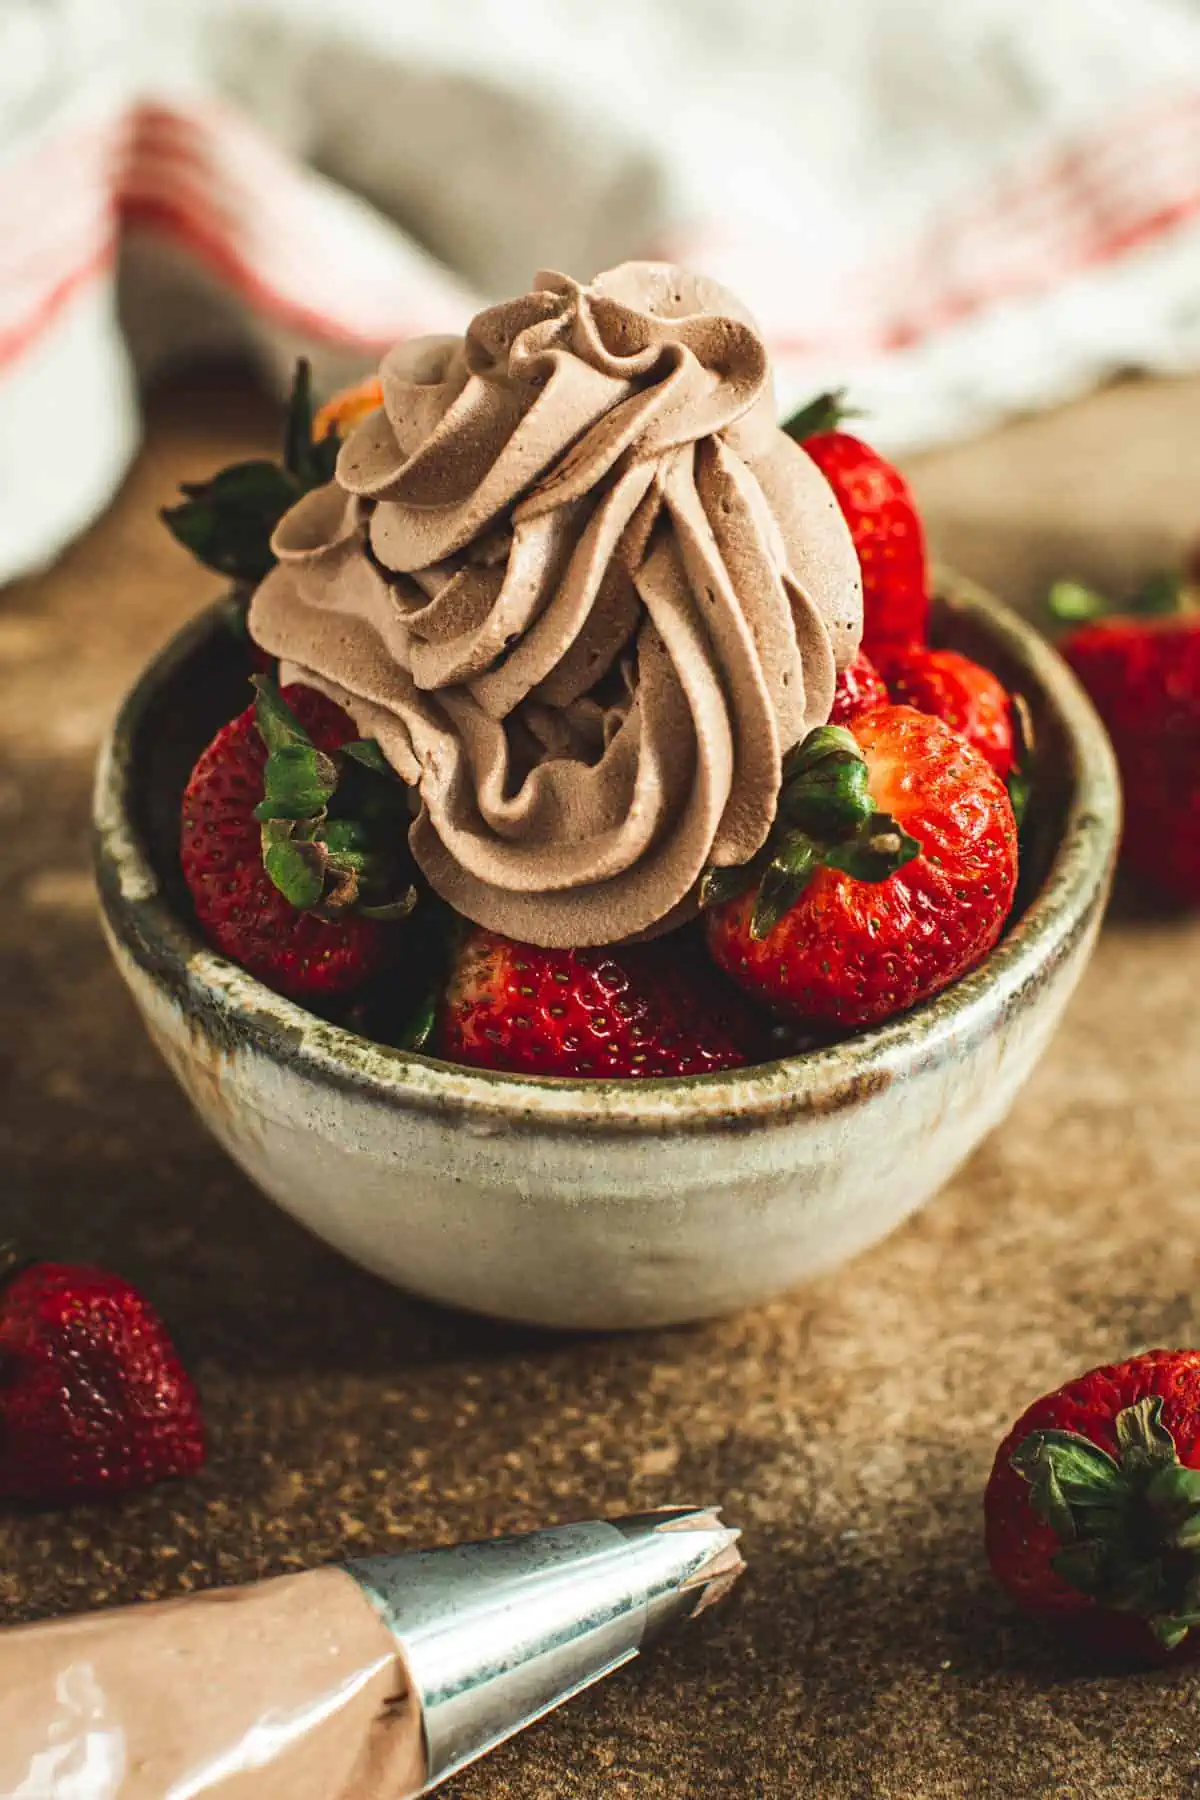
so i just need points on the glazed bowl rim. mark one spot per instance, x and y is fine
(234, 1010)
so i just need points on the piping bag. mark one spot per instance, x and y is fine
(366, 1680)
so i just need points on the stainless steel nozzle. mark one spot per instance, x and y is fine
(496, 1634)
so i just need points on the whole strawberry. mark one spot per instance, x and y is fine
(94, 1400)
(890, 872)
(1092, 1511)
(292, 843)
(1141, 668)
(879, 508)
(860, 686)
(962, 693)
(634, 1011)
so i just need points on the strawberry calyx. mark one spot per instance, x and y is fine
(825, 819)
(827, 412)
(333, 826)
(227, 522)
(1129, 1525)
(1167, 593)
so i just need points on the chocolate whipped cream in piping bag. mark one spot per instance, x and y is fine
(291, 1690)
(585, 594)
(373, 1680)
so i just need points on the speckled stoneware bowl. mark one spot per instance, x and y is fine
(598, 1204)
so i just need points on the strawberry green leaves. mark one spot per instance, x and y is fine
(1129, 1525)
(1164, 594)
(1143, 1440)
(334, 828)
(825, 783)
(826, 413)
(228, 521)
(826, 819)
(299, 781)
(308, 460)
(1067, 1476)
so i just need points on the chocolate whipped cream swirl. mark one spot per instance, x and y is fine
(584, 593)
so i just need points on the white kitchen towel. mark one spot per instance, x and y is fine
(957, 208)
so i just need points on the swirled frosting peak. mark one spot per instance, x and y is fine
(584, 593)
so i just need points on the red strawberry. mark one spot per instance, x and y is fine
(1093, 1507)
(879, 508)
(94, 1400)
(889, 873)
(636, 1010)
(276, 859)
(1142, 670)
(859, 688)
(965, 695)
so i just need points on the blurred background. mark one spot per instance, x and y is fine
(961, 209)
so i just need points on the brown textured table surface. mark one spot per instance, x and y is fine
(849, 1429)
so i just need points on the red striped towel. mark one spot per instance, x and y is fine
(991, 224)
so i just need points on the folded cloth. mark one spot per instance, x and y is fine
(957, 208)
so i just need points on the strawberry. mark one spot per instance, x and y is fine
(889, 872)
(291, 828)
(635, 1010)
(965, 695)
(878, 506)
(1093, 1506)
(1142, 670)
(859, 688)
(94, 1400)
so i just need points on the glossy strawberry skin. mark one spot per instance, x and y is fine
(94, 1401)
(962, 693)
(622, 1013)
(239, 909)
(878, 506)
(859, 688)
(1021, 1546)
(853, 953)
(1143, 676)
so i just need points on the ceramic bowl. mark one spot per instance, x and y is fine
(598, 1204)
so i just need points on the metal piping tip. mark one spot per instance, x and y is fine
(710, 1561)
(496, 1634)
